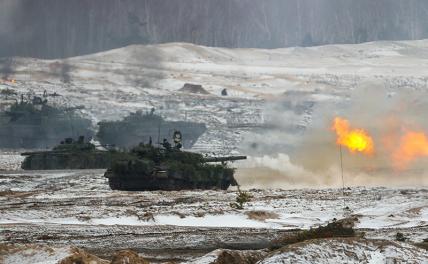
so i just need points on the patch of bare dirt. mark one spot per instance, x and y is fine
(16, 194)
(193, 88)
(423, 245)
(79, 256)
(416, 211)
(13, 248)
(262, 215)
(227, 256)
(240, 257)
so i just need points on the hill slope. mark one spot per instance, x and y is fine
(265, 87)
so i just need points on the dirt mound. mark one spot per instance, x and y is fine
(341, 228)
(80, 256)
(423, 244)
(128, 257)
(239, 257)
(193, 88)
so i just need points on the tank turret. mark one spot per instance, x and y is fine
(166, 167)
(224, 159)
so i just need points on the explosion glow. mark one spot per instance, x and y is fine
(356, 140)
(411, 146)
(13, 81)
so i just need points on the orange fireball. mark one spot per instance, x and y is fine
(412, 145)
(356, 140)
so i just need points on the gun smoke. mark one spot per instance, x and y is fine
(313, 159)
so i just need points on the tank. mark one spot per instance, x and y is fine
(69, 154)
(139, 126)
(35, 124)
(166, 167)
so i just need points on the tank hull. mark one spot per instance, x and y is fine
(154, 183)
(65, 161)
(163, 184)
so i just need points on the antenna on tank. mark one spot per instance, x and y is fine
(341, 170)
(159, 133)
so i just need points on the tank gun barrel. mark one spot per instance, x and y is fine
(78, 107)
(223, 159)
(41, 152)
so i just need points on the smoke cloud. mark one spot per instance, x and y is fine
(312, 158)
(6, 67)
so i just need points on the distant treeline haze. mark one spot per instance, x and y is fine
(63, 28)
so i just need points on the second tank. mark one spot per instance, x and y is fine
(139, 126)
(70, 154)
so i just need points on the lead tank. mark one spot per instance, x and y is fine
(166, 167)
(69, 154)
(139, 126)
(32, 123)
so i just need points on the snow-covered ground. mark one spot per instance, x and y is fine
(60, 207)
(10, 160)
(34, 254)
(84, 198)
(348, 251)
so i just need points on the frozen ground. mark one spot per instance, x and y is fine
(10, 160)
(349, 251)
(62, 207)
(84, 198)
